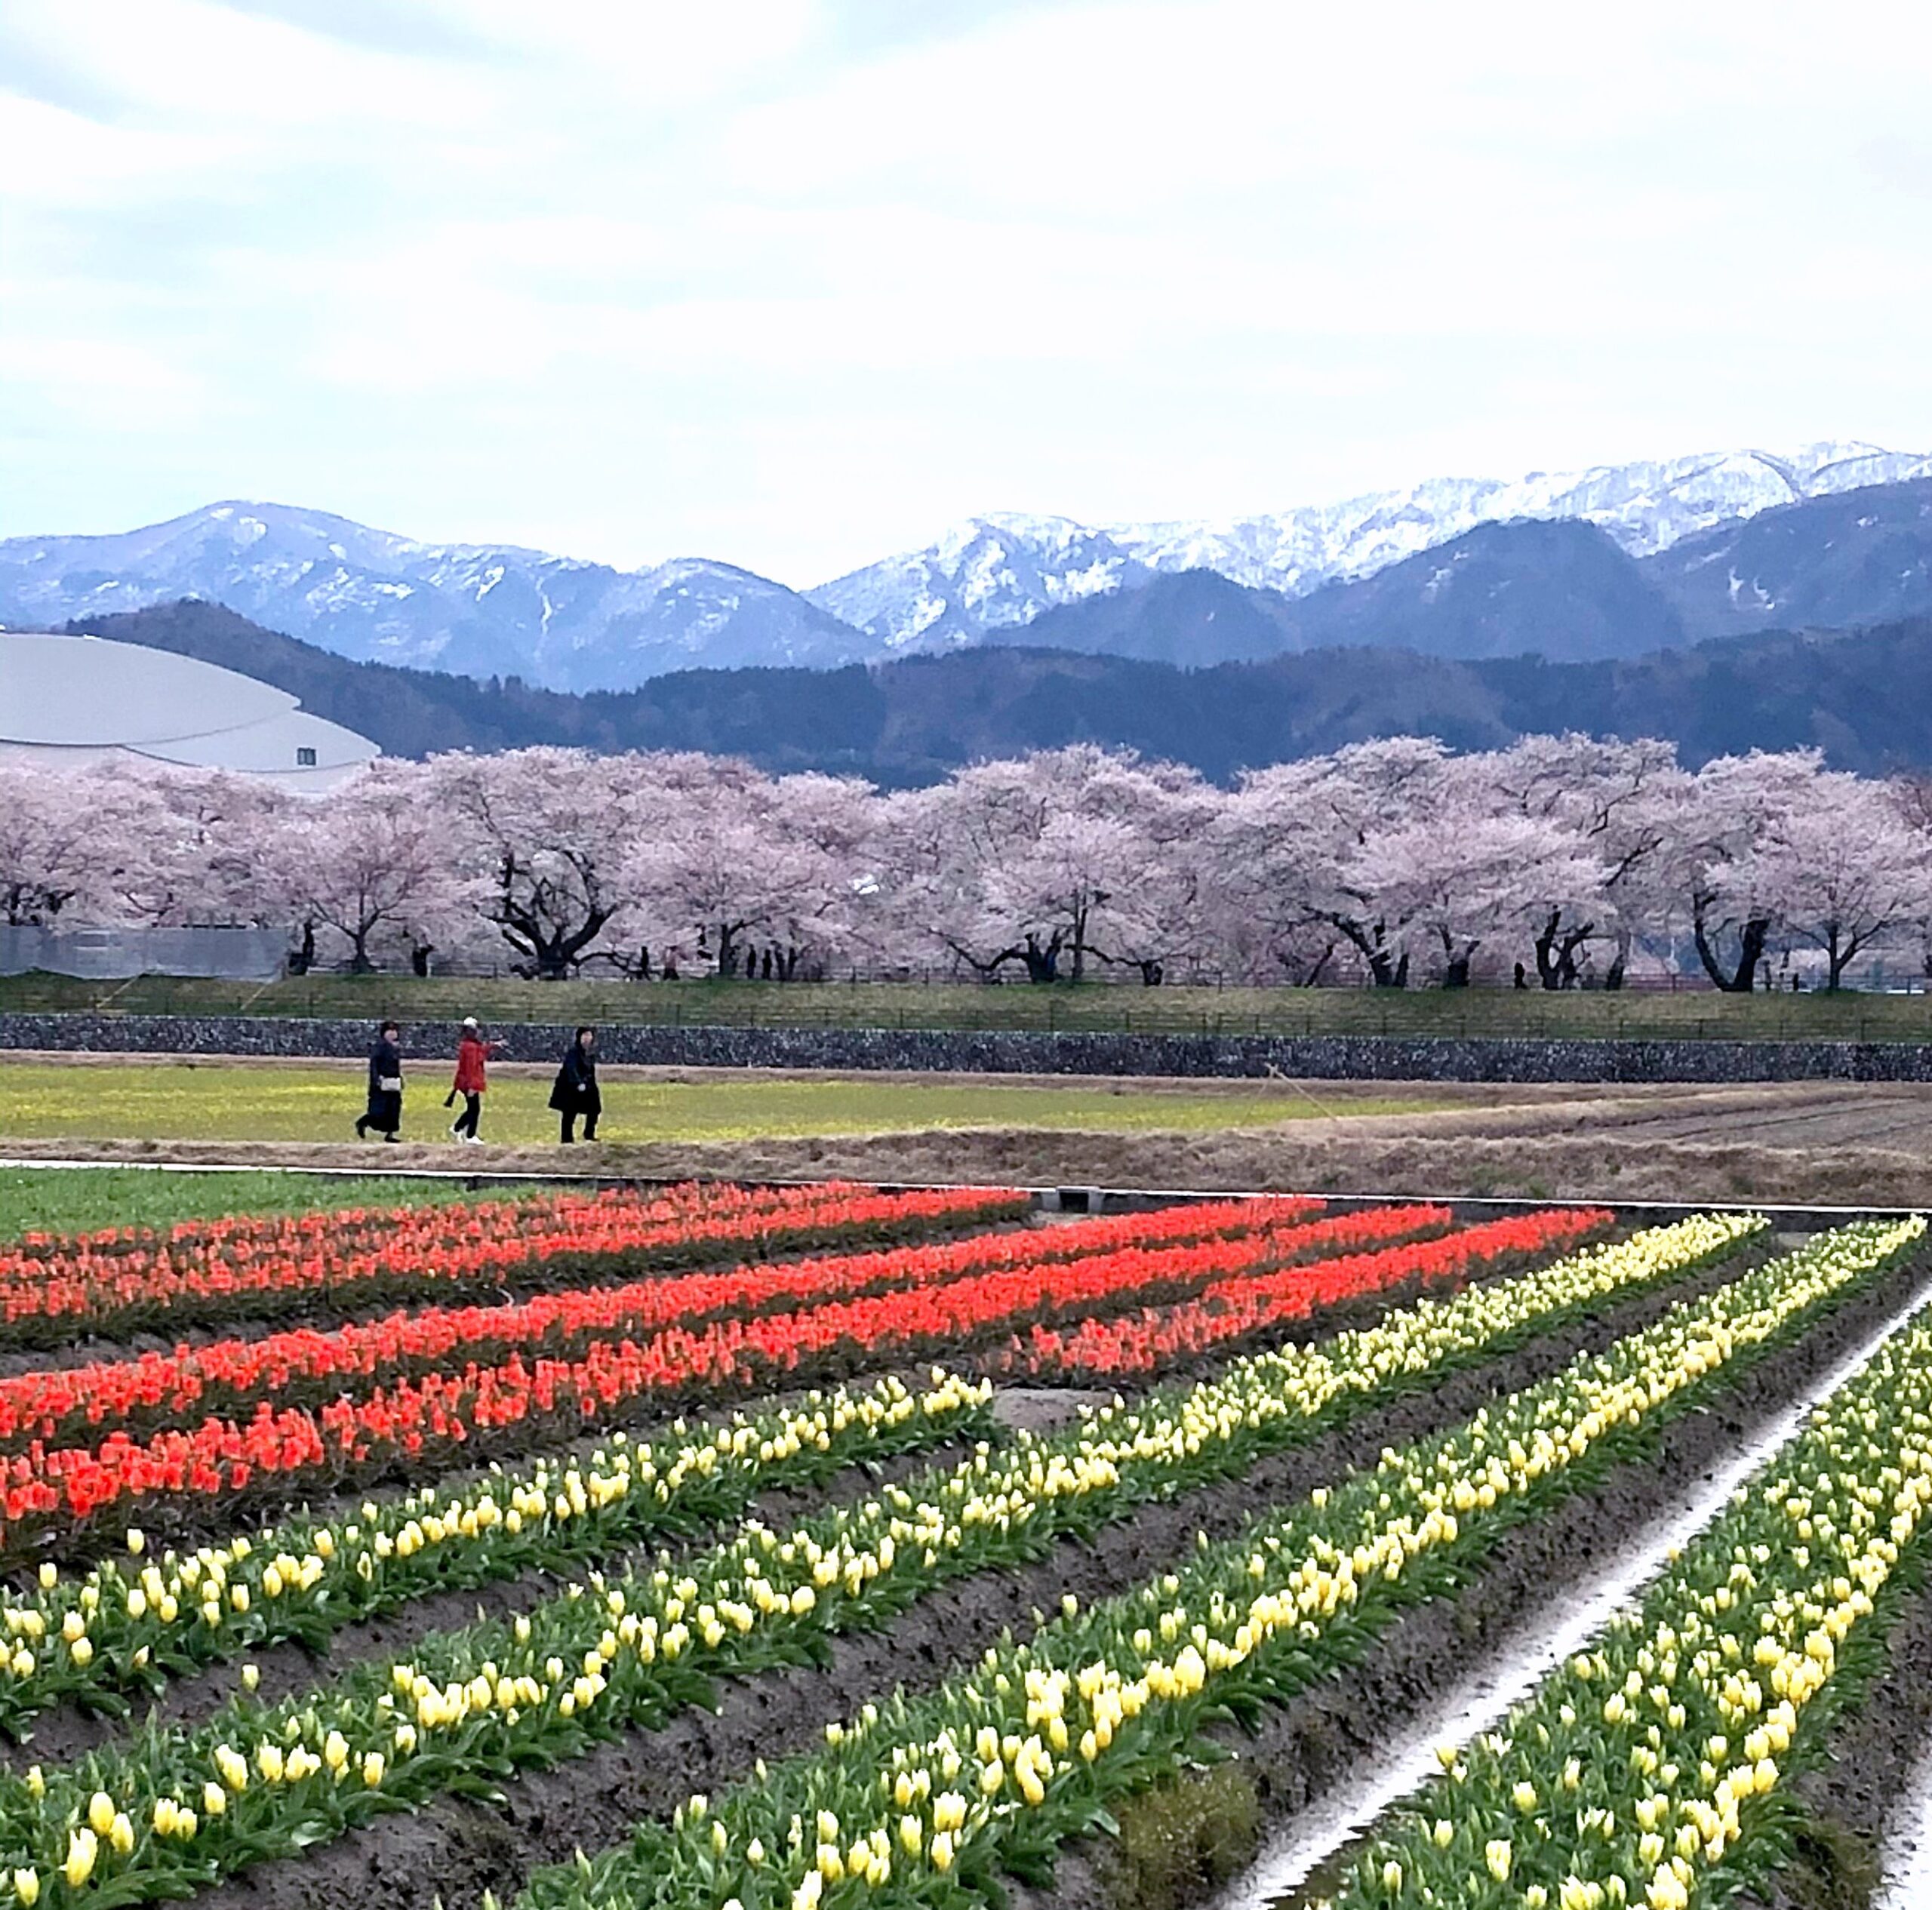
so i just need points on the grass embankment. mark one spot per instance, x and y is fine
(1692, 1014)
(217, 1100)
(80, 1200)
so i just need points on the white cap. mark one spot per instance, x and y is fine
(469, 1021)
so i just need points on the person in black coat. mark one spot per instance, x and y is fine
(576, 1090)
(384, 1114)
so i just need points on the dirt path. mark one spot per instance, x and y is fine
(1823, 1143)
(1607, 1165)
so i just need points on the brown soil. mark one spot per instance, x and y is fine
(1808, 1144)
(455, 1849)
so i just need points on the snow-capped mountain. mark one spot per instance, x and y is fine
(484, 610)
(995, 572)
(478, 610)
(988, 574)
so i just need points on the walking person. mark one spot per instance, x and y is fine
(384, 1114)
(576, 1091)
(473, 1056)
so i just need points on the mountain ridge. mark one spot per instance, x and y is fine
(1864, 697)
(1647, 506)
(499, 609)
(472, 609)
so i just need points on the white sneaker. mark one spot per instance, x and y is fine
(472, 1140)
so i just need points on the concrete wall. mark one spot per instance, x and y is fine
(1317, 1057)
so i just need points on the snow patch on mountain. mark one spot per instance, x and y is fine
(995, 572)
(988, 574)
(504, 609)
(478, 610)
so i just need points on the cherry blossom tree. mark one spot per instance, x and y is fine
(545, 831)
(51, 850)
(1452, 889)
(748, 871)
(1049, 862)
(1729, 817)
(192, 846)
(1289, 845)
(1618, 798)
(374, 861)
(1842, 869)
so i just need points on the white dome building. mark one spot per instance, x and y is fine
(74, 701)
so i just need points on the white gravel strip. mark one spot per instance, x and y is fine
(1906, 1860)
(1481, 1703)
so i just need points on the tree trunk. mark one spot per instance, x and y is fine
(1456, 969)
(1152, 973)
(1043, 964)
(1751, 939)
(1384, 970)
(1838, 953)
(1545, 948)
(419, 953)
(1556, 949)
(1612, 976)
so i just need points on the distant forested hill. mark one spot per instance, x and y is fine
(1865, 697)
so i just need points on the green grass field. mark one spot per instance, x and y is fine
(80, 1200)
(1690, 1015)
(215, 1101)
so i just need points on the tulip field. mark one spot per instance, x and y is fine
(718, 1548)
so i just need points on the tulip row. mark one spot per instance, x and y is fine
(1189, 1250)
(1151, 1339)
(601, 1655)
(925, 1801)
(331, 1573)
(128, 1624)
(1636, 1773)
(47, 1491)
(264, 1268)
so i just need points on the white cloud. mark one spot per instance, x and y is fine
(792, 281)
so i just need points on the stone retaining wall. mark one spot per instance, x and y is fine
(1313, 1057)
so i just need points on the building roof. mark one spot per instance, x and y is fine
(88, 694)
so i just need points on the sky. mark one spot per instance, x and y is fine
(798, 283)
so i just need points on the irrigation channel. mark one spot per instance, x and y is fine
(1281, 1878)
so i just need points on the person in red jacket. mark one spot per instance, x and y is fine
(472, 1055)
